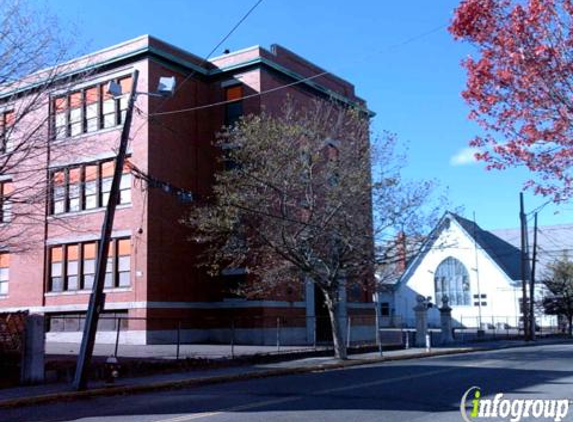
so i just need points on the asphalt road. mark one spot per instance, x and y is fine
(422, 390)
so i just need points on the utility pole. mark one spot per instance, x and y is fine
(477, 274)
(524, 307)
(532, 283)
(97, 297)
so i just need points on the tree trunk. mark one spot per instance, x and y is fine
(337, 337)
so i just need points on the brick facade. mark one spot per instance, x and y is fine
(164, 283)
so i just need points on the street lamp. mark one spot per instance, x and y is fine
(166, 88)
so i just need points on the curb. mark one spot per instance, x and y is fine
(256, 374)
(198, 382)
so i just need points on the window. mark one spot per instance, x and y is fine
(58, 190)
(90, 109)
(109, 110)
(107, 170)
(73, 266)
(86, 187)
(384, 309)
(6, 189)
(4, 272)
(91, 187)
(232, 281)
(76, 114)
(233, 109)
(109, 267)
(74, 322)
(123, 262)
(7, 119)
(92, 118)
(452, 279)
(89, 264)
(74, 189)
(482, 302)
(125, 84)
(56, 269)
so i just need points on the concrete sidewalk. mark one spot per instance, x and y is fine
(22, 396)
(169, 351)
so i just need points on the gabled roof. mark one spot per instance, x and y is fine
(502, 253)
(552, 243)
(503, 247)
(506, 255)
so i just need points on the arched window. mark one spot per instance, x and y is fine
(452, 279)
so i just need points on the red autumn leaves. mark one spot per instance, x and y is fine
(520, 86)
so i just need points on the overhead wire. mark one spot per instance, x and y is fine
(297, 82)
(271, 90)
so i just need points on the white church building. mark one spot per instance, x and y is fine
(478, 270)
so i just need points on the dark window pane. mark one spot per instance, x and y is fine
(233, 112)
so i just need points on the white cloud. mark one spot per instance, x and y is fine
(464, 157)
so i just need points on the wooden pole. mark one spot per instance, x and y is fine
(97, 298)
(524, 308)
(532, 283)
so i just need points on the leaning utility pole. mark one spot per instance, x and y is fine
(97, 298)
(524, 307)
(532, 283)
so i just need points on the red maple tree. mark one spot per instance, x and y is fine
(520, 86)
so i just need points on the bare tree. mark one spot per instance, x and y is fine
(33, 51)
(294, 203)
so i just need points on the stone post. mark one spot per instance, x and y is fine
(421, 310)
(446, 322)
(33, 353)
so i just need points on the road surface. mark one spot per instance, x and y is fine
(422, 390)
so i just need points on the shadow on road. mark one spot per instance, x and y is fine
(430, 385)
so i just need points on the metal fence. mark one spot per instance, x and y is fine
(500, 327)
(169, 338)
(235, 336)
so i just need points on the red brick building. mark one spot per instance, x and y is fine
(152, 277)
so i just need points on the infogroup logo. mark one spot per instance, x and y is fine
(473, 406)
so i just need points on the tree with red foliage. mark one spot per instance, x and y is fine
(520, 87)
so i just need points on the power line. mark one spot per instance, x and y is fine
(291, 84)
(206, 59)
(539, 208)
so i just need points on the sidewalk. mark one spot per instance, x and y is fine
(169, 351)
(30, 395)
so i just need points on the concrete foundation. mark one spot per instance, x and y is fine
(287, 336)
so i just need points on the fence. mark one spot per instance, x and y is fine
(494, 327)
(208, 337)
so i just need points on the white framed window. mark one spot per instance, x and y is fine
(90, 109)
(72, 266)
(7, 120)
(87, 186)
(6, 191)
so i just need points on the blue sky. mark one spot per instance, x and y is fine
(414, 86)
